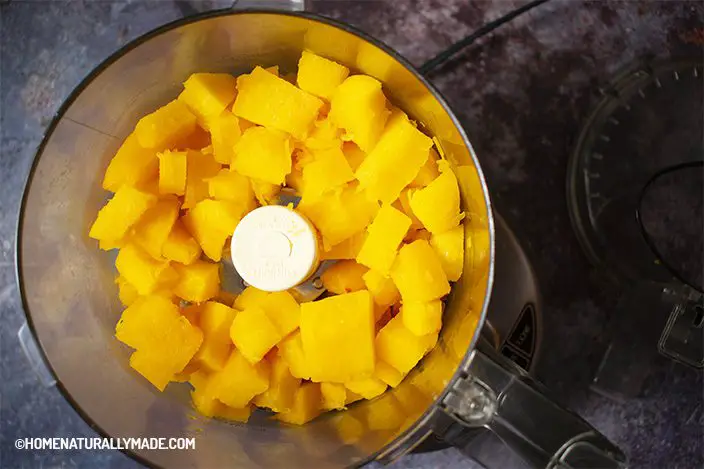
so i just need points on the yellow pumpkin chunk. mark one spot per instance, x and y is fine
(265, 192)
(283, 311)
(201, 167)
(306, 405)
(282, 390)
(120, 213)
(249, 298)
(263, 154)
(320, 76)
(437, 206)
(225, 132)
(384, 236)
(180, 246)
(449, 247)
(344, 277)
(291, 350)
(211, 222)
(328, 170)
(422, 318)
(395, 160)
(399, 347)
(254, 334)
(355, 156)
(338, 336)
(131, 165)
(388, 374)
(268, 100)
(428, 172)
(198, 282)
(347, 249)
(152, 230)
(215, 321)
(368, 388)
(418, 273)
(239, 380)
(382, 288)
(359, 106)
(334, 396)
(126, 291)
(231, 185)
(208, 94)
(140, 269)
(172, 172)
(163, 128)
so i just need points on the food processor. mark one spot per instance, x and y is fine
(476, 380)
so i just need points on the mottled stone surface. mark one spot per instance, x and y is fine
(522, 94)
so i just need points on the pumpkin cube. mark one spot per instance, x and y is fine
(320, 76)
(437, 206)
(449, 246)
(198, 282)
(368, 388)
(153, 229)
(339, 215)
(306, 405)
(164, 127)
(215, 321)
(395, 161)
(344, 277)
(382, 289)
(225, 132)
(250, 297)
(428, 172)
(291, 350)
(384, 236)
(232, 414)
(211, 222)
(180, 246)
(131, 165)
(139, 268)
(254, 334)
(127, 293)
(208, 94)
(268, 100)
(388, 374)
(399, 347)
(422, 318)
(239, 380)
(137, 326)
(354, 155)
(418, 273)
(338, 336)
(231, 185)
(120, 213)
(151, 368)
(334, 396)
(201, 167)
(359, 106)
(347, 249)
(283, 311)
(265, 192)
(263, 154)
(324, 135)
(197, 140)
(329, 170)
(282, 388)
(172, 172)
(403, 203)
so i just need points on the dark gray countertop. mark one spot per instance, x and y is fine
(522, 94)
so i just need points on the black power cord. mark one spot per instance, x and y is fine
(455, 47)
(644, 232)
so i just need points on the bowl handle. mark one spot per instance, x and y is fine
(499, 396)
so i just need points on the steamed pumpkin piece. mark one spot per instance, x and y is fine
(180, 246)
(422, 318)
(172, 172)
(338, 337)
(120, 213)
(225, 132)
(131, 165)
(254, 334)
(201, 167)
(449, 247)
(215, 320)
(382, 288)
(163, 128)
(328, 171)
(334, 396)
(385, 234)
(231, 185)
(320, 76)
(140, 269)
(418, 273)
(208, 94)
(306, 405)
(401, 348)
(211, 222)
(263, 154)
(291, 351)
(344, 277)
(359, 107)
(164, 340)
(283, 386)
(272, 102)
(197, 282)
(347, 249)
(205, 402)
(437, 206)
(153, 229)
(239, 380)
(395, 160)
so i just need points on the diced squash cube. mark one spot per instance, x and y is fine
(268, 100)
(215, 322)
(198, 282)
(109, 245)
(403, 203)
(265, 192)
(139, 268)
(368, 388)
(340, 215)
(208, 405)
(283, 311)
(422, 318)
(399, 347)
(382, 288)
(234, 415)
(384, 236)
(180, 246)
(201, 167)
(153, 229)
(324, 135)
(291, 350)
(437, 206)
(164, 127)
(386, 414)
(211, 222)
(347, 249)
(239, 380)
(131, 165)
(254, 334)
(225, 131)
(449, 247)
(263, 154)
(428, 172)
(334, 396)
(306, 405)
(359, 106)
(418, 273)
(354, 155)
(120, 213)
(208, 94)
(250, 297)
(344, 277)
(231, 185)
(151, 368)
(197, 140)
(388, 374)
(138, 325)
(172, 172)
(282, 388)
(329, 170)
(395, 160)
(185, 375)
(320, 76)
(338, 336)
(127, 292)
